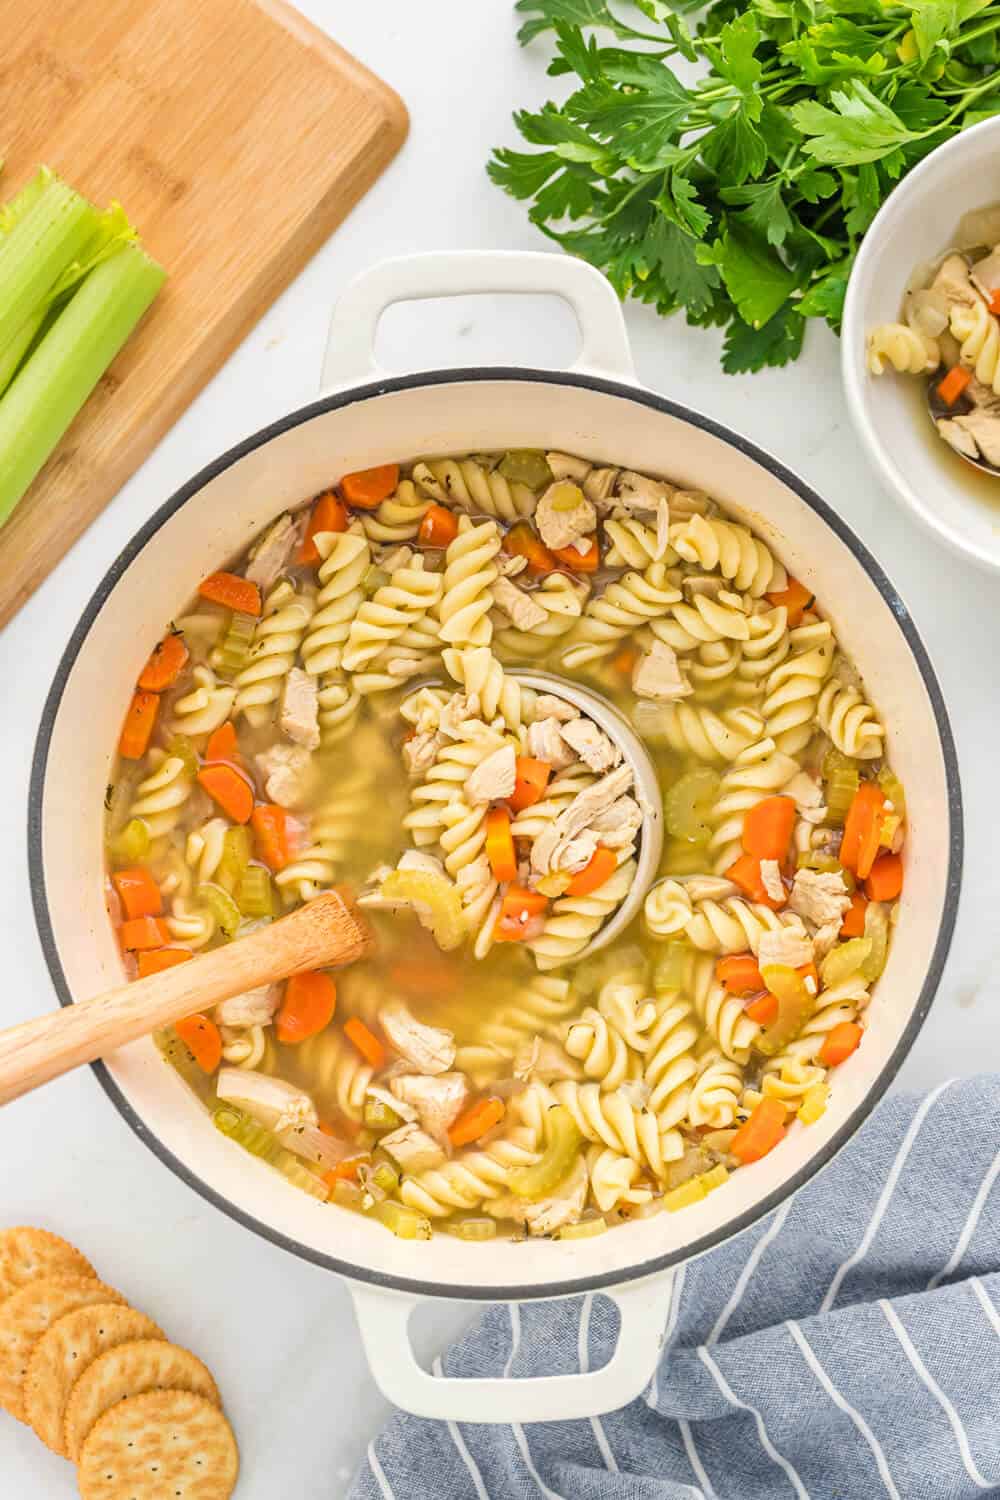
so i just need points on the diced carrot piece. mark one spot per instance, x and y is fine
(475, 1122)
(739, 974)
(953, 384)
(532, 779)
(367, 1043)
(853, 924)
(143, 932)
(520, 913)
(307, 1007)
(746, 874)
(138, 891)
(995, 304)
(579, 562)
(270, 825)
(346, 1170)
(223, 744)
(369, 487)
(767, 827)
(521, 541)
(624, 661)
(500, 844)
(761, 1133)
(437, 528)
(763, 1011)
(599, 868)
(840, 1043)
(796, 598)
(232, 592)
(328, 514)
(156, 959)
(138, 727)
(862, 827)
(231, 791)
(165, 665)
(885, 881)
(202, 1036)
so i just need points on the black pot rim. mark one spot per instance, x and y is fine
(416, 1285)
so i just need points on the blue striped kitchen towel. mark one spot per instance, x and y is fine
(845, 1348)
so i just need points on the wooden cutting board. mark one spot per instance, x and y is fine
(237, 136)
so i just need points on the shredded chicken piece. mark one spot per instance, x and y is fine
(956, 437)
(825, 938)
(953, 280)
(567, 466)
(616, 827)
(519, 607)
(791, 946)
(548, 706)
(657, 675)
(252, 1008)
(276, 1103)
(412, 1149)
(494, 778)
(299, 716)
(545, 742)
(599, 486)
(271, 556)
(396, 557)
(548, 1214)
(405, 1111)
(288, 773)
(420, 751)
(455, 718)
(560, 522)
(593, 800)
(545, 1059)
(770, 874)
(438, 1100)
(591, 744)
(509, 567)
(430, 1049)
(819, 897)
(639, 492)
(983, 425)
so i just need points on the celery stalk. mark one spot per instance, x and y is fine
(13, 212)
(55, 381)
(42, 243)
(17, 348)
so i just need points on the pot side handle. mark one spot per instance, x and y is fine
(383, 1319)
(350, 349)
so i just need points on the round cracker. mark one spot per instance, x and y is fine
(29, 1313)
(126, 1371)
(28, 1254)
(64, 1352)
(164, 1443)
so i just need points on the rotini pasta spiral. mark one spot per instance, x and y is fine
(337, 828)
(273, 650)
(203, 849)
(411, 592)
(159, 799)
(346, 561)
(339, 708)
(207, 705)
(469, 576)
(611, 1120)
(243, 1046)
(704, 618)
(713, 672)
(732, 550)
(601, 1048)
(794, 1071)
(574, 920)
(721, 1014)
(694, 729)
(635, 544)
(190, 922)
(909, 352)
(472, 1178)
(760, 771)
(478, 671)
(337, 1075)
(625, 604)
(398, 518)
(563, 599)
(473, 486)
(716, 1091)
(443, 783)
(766, 646)
(978, 332)
(669, 1065)
(730, 925)
(850, 721)
(791, 691)
(558, 795)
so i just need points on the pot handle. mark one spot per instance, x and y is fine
(383, 1319)
(350, 348)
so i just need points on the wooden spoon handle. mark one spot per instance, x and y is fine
(320, 934)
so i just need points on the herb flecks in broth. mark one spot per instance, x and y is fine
(342, 706)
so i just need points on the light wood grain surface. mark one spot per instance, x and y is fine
(324, 933)
(237, 136)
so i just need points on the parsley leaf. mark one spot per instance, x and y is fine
(859, 128)
(765, 213)
(757, 281)
(545, 14)
(779, 340)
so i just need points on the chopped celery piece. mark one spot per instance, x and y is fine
(889, 827)
(471, 1229)
(795, 1006)
(688, 803)
(247, 1132)
(671, 967)
(836, 760)
(877, 933)
(814, 1102)
(254, 893)
(300, 1176)
(43, 241)
(566, 496)
(237, 846)
(715, 1178)
(379, 1115)
(347, 1194)
(434, 894)
(844, 960)
(230, 655)
(562, 1150)
(181, 747)
(375, 578)
(893, 788)
(692, 1191)
(585, 1230)
(68, 361)
(180, 1057)
(526, 466)
(133, 842)
(385, 1177)
(841, 786)
(826, 864)
(554, 884)
(222, 906)
(405, 1222)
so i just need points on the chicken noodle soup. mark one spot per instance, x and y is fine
(342, 705)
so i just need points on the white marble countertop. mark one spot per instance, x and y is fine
(279, 1333)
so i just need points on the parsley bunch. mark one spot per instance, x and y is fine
(742, 197)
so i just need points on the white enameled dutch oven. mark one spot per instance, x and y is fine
(595, 409)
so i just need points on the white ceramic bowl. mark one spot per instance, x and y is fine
(364, 418)
(953, 500)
